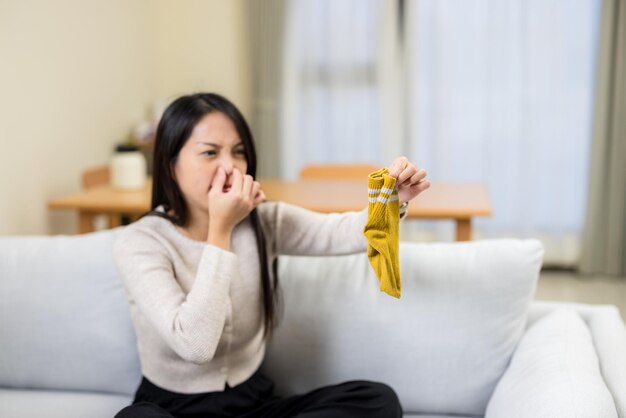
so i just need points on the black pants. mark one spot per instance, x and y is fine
(255, 398)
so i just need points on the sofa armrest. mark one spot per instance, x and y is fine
(609, 337)
(554, 372)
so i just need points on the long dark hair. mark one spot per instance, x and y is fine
(173, 131)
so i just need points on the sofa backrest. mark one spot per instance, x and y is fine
(64, 320)
(443, 346)
(65, 323)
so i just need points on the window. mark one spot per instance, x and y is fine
(492, 91)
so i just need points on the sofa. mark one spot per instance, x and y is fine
(466, 339)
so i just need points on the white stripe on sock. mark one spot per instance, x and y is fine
(383, 199)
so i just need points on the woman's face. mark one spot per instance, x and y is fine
(214, 142)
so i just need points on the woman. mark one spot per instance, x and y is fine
(196, 273)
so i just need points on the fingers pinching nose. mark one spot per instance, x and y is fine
(219, 178)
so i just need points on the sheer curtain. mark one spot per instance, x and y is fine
(492, 91)
(340, 68)
(501, 92)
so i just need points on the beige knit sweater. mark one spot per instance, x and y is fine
(197, 309)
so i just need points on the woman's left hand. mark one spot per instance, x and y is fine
(409, 180)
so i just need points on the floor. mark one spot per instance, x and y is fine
(568, 286)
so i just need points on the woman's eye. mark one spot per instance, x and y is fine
(210, 152)
(241, 152)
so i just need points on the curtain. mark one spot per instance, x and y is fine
(501, 93)
(491, 91)
(604, 246)
(341, 84)
(266, 25)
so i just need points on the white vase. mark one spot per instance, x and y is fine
(128, 168)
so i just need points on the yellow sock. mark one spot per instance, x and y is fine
(382, 231)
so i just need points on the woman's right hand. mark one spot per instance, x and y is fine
(229, 206)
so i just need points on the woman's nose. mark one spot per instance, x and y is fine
(227, 165)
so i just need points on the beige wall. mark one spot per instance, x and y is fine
(200, 45)
(76, 76)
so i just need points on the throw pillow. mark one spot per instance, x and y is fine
(442, 347)
(69, 326)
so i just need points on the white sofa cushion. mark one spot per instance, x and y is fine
(60, 404)
(65, 320)
(554, 373)
(443, 346)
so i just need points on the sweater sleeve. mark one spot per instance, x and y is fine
(191, 323)
(294, 230)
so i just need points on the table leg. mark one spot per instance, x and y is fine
(463, 229)
(85, 222)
